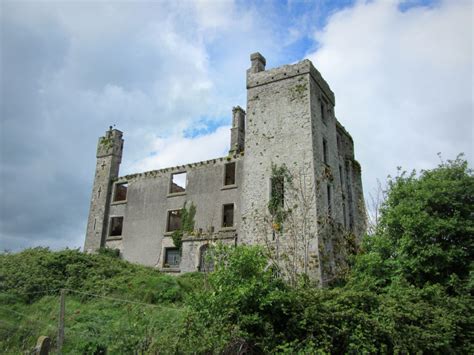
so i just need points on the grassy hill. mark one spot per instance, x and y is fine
(30, 282)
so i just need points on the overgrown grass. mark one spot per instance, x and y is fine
(29, 302)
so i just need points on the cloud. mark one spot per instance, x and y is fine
(178, 150)
(403, 82)
(71, 69)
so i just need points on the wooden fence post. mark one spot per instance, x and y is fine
(62, 310)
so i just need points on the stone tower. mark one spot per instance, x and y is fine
(109, 156)
(291, 122)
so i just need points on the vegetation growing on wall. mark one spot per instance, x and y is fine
(281, 179)
(106, 142)
(187, 225)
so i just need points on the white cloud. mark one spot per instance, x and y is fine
(178, 150)
(403, 82)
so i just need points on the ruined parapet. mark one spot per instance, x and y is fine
(109, 156)
(237, 132)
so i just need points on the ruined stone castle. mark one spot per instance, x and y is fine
(289, 126)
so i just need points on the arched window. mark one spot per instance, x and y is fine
(206, 263)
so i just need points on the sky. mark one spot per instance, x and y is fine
(167, 74)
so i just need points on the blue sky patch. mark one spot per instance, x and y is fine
(205, 126)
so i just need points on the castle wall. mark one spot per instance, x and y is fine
(145, 210)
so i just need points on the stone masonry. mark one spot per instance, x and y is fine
(289, 121)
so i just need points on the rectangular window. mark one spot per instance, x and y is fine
(278, 191)
(228, 215)
(174, 220)
(329, 200)
(178, 183)
(172, 257)
(325, 151)
(340, 178)
(120, 192)
(229, 178)
(323, 111)
(344, 213)
(116, 225)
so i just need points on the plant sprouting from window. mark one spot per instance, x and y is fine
(187, 225)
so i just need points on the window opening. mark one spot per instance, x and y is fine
(329, 199)
(340, 178)
(323, 113)
(325, 150)
(344, 213)
(116, 225)
(174, 220)
(228, 215)
(229, 178)
(178, 182)
(120, 192)
(172, 257)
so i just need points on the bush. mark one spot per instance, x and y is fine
(36, 272)
(426, 229)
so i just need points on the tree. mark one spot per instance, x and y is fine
(426, 228)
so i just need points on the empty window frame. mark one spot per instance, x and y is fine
(344, 214)
(323, 107)
(228, 215)
(325, 151)
(178, 182)
(277, 191)
(120, 192)
(229, 174)
(174, 220)
(341, 180)
(172, 257)
(116, 226)
(329, 200)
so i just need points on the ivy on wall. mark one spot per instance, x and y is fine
(276, 205)
(187, 225)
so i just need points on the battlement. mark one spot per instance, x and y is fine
(258, 78)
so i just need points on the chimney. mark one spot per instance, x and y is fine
(258, 62)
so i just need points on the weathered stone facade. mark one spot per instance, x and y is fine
(289, 122)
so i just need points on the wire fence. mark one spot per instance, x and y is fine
(18, 325)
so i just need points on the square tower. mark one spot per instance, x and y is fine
(291, 155)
